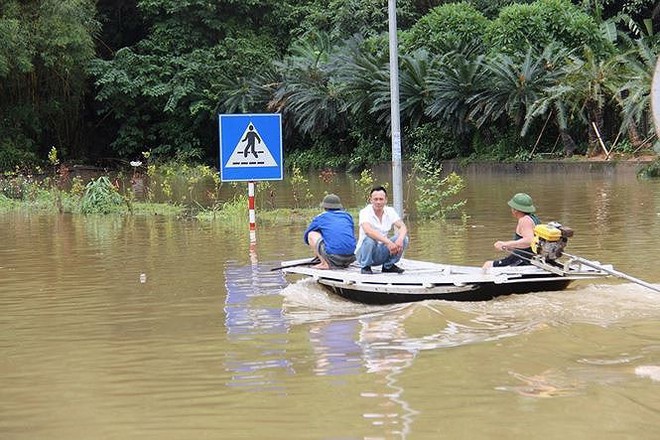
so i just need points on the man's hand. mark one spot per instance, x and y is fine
(395, 247)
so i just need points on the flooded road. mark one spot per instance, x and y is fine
(158, 328)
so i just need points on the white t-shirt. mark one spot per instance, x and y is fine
(367, 215)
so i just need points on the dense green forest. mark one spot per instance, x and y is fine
(105, 81)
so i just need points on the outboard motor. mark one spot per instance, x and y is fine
(550, 240)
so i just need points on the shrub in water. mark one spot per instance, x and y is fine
(101, 197)
(435, 194)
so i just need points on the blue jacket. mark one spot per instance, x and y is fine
(337, 229)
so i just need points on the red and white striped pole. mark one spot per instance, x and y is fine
(253, 217)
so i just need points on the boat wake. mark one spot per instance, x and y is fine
(306, 301)
(599, 304)
(596, 304)
(567, 341)
(455, 323)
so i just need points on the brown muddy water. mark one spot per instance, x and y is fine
(157, 328)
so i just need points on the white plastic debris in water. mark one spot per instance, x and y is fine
(143, 278)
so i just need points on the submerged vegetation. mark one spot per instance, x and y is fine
(196, 192)
(101, 197)
(436, 194)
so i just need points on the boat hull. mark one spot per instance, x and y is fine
(481, 292)
(432, 281)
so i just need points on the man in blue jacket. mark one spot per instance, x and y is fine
(331, 235)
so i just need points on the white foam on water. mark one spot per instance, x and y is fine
(649, 371)
(308, 301)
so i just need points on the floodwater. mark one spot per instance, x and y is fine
(157, 328)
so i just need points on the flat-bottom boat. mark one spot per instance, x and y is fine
(549, 269)
(425, 280)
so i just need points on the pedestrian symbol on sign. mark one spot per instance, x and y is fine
(252, 145)
(250, 137)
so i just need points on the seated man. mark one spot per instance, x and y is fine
(375, 246)
(522, 208)
(331, 235)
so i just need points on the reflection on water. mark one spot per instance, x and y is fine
(348, 337)
(387, 359)
(335, 349)
(261, 326)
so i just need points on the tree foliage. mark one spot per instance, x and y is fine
(542, 23)
(46, 45)
(446, 27)
(116, 78)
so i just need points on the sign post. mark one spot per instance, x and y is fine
(250, 150)
(252, 215)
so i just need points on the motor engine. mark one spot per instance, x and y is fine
(550, 240)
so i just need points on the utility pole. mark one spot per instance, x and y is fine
(655, 100)
(395, 121)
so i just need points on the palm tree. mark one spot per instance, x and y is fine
(414, 89)
(307, 93)
(244, 95)
(513, 87)
(632, 91)
(458, 78)
(364, 81)
(579, 95)
(585, 89)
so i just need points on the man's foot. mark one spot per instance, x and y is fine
(393, 269)
(321, 266)
(366, 270)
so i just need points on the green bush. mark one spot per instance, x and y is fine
(101, 197)
(319, 156)
(6, 203)
(541, 24)
(368, 151)
(445, 27)
(12, 156)
(502, 146)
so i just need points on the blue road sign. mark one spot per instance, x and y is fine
(250, 147)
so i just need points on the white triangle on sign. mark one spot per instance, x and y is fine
(251, 151)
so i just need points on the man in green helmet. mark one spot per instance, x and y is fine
(522, 208)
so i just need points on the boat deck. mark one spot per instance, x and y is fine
(428, 275)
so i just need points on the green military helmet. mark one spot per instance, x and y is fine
(522, 202)
(331, 201)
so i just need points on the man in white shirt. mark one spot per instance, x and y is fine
(375, 246)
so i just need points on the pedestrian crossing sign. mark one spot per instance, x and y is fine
(250, 147)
